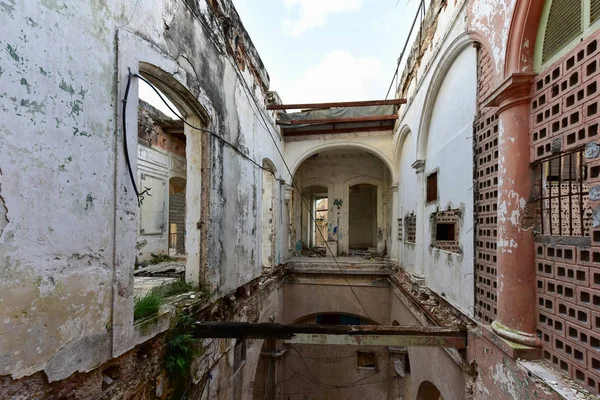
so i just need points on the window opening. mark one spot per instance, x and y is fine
(564, 201)
(432, 187)
(563, 24)
(366, 360)
(445, 232)
(400, 228)
(239, 354)
(411, 228)
(339, 319)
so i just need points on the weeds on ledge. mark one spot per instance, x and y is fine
(147, 305)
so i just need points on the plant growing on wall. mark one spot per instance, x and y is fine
(182, 348)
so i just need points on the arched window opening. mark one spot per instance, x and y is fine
(269, 216)
(564, 23)
(170, 209)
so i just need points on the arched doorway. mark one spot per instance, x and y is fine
(428, 391)
(357, 183)
(171, 184)
(362, 217)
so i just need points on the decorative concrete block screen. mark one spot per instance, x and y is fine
(400, 229)
(486, 214)
(411, 228)
(564, 132)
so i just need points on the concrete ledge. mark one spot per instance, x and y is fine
(511, 349)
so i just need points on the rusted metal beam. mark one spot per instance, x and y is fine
(298, 132)
(347, 334)
(336, 104)
(339, 120)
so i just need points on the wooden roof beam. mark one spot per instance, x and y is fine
(380, 335)
(339, 120)
(336, 104)
(301, 132)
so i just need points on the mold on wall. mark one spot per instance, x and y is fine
(67, 255)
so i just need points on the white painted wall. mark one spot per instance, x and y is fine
(406, 199)
(450, 152)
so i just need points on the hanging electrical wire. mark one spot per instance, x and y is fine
(421, 4)
(265, 125)
(146, 191)
(295, 186)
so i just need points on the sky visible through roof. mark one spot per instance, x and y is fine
(328, 50)
(324, 50)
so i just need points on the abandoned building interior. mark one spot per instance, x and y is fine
(214, 241)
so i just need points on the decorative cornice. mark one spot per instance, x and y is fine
(516, 89)
(419, 166)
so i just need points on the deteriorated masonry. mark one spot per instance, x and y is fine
(564, 118)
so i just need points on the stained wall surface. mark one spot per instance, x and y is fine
(68, 222)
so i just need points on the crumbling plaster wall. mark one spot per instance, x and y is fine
(440, 112)
(431, 364)
(67, 253)
(338, 170)
(406, 200)
(450, 154)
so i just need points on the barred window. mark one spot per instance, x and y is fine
(564, 201)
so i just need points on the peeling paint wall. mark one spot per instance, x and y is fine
(67, 209)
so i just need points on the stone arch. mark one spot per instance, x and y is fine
(361, 316)
(447, 59)
(522, 36)
(185, 101)
(400, 139)
(269, 165)
(336, 146)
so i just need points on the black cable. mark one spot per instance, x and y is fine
(404, 49)
(213, 134)
(125, 148)
(295, 186)
(241, 76)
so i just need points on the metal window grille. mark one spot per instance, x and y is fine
(564, 201)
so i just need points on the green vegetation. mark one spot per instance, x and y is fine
(182, 347)
(174, 288)
(147, 305)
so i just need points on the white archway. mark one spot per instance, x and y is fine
(446, 61)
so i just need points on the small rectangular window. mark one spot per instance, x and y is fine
(432, 187)
(366, 360)
(444, 234)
